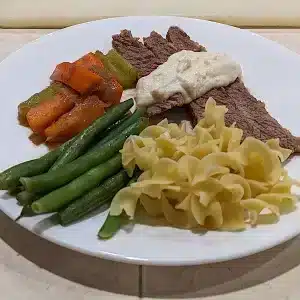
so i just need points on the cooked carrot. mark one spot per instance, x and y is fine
(84, 80)
(73, 122)
(48, 111)
(113, 93)
(113, 90)
(94, 64)
(67, 91)
(62, 72)
(89, 60)
(78, 77)
(34, 100)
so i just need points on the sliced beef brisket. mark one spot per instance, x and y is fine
(182, 41)
(161, 107)
(163, 50)
(249, 114)
(146, 58)
(160, 47)
(135, 52)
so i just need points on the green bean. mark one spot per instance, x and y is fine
(118, 130)
(85, 138)
(15, 190)
(54, 179)
(115, 125)
(10, 178)
(26, 198)
(94, 199)
(113, 224)
(78, 187)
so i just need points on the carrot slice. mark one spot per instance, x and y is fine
(78, 77)
(67, 91)
(48, 111)
(113, 93)
(73, 122)
(94, 64)
(62, 72)
(84, 80)
(89, 60)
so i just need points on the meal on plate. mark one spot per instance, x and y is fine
(199, 151)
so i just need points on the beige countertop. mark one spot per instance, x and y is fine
(32, 268)
(59, 13)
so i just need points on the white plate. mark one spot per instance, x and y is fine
(270, 71)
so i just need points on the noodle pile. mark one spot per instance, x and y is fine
(205, 176)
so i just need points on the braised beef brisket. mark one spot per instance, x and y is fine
(160, 47)
(161, 107)
(182, 41)
(163, 49)
(155, 51)
(249, 114)
(135, 52)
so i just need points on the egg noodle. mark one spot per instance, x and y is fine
(205, 177)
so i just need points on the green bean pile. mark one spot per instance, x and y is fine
(81, 175)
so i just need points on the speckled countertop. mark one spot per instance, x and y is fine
(32, 268)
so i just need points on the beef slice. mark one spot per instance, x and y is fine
(182, 41)
(159, 46)
(137, 54)
(249, 114)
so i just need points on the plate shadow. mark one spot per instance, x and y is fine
(90, 271)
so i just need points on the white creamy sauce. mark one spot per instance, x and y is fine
(190, 73)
